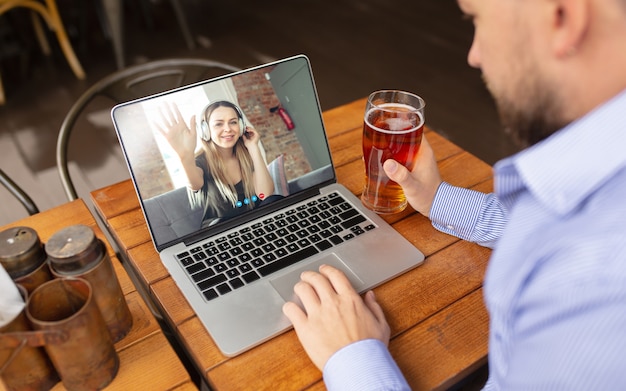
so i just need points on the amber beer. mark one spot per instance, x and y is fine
(390, 130)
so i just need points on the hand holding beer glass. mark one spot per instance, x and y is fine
(392, 129)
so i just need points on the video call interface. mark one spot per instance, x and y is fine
(295, 148)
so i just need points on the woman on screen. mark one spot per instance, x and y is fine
(229, 175)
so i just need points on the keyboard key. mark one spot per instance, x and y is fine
(223, 288)
(211, 282)
(245, 257)
(353, 221)
(196, 267)
(269, 257)
(258, 262)
(199, 256)
(251, 276)
(203, 275)
(187, 261)
(268, 247)
(349, 236)
(232, 262)
(323, 245)
(236, 283)
(349, 213)
(210, 294)
(335, 239)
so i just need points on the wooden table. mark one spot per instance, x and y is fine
(147, 360)
(436, 313)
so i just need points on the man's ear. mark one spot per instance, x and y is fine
(571, 22)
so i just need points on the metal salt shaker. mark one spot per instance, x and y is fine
(75, 251)
(23, 257)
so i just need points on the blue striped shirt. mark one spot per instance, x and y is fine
(555, 286)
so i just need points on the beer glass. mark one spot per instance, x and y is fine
(392, 129)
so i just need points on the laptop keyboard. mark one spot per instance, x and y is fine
(240, 257)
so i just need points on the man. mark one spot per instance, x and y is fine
(555, 286)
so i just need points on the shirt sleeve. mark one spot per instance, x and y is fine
(364, 365)
(468, 214)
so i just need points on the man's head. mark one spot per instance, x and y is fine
(548, 62)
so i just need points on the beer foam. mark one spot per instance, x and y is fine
(396, 125)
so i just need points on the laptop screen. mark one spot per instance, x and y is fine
(214, 152)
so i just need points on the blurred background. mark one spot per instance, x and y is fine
(355, 47)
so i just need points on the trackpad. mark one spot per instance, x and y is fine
(284, 284)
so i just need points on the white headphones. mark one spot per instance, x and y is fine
(203, 125)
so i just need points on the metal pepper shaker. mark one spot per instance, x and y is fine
(75, 251)
(23, 257)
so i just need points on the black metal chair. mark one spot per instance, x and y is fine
(18, 193)
(131, 83)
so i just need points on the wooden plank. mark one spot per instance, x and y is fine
(444, 345)
(130, 229)
(146, 261)
(169, 374)
(115, 199)
(345, 117)
(441, 345)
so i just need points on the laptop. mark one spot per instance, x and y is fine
(238, 266)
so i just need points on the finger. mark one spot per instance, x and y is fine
(177, 114)
(294, 313)
(192, 124)
(307, 294)
(320, 284)
(372, 304)
(162, 116)
(338, 280)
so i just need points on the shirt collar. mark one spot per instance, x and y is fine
(564, 169)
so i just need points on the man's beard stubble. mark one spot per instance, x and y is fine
(533, 115)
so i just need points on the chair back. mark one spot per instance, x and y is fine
(18, 193)
(132, 83)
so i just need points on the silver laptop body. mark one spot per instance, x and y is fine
(236, 291)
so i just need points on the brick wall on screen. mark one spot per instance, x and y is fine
(256, 96)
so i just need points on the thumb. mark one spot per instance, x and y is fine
(377, 311)
(396, 172)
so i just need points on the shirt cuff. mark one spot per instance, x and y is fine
(364, 365)
(456, 210)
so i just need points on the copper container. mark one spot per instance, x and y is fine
(75, 251)
(23, 257)
(24, 364)
(79, 343)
